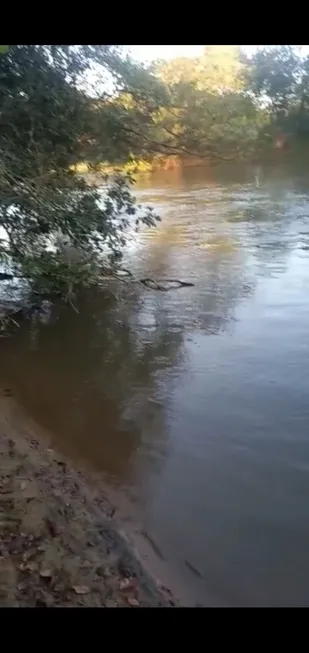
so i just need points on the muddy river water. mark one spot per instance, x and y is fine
(196, 401)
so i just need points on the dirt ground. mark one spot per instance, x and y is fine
(60, 545)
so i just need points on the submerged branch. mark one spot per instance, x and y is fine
(122, 274)
(160, 284)
(27, 308)
(157, 285)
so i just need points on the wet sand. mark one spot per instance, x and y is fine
(60, 542)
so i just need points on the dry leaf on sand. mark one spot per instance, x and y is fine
(81, 589)
(133, 602)
(46, 573)
(126, 585)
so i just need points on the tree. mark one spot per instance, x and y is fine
(178, 70)
(274, 76)
(278, 78)
(49, 123)
(221, 69)
(300, 112)
(208, 113)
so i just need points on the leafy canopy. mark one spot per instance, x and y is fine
(61, 105)
(49, 123)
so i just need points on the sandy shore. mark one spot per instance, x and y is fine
(60, 544)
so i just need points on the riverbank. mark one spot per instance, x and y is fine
(143, 166)
(60, 544)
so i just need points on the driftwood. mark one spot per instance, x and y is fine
(160, 284)
(10, 314)
(123, 274)
(157, 285)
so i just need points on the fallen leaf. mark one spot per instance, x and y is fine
(133, 602)
(46, 573)
(32, 566)
(81, 589)
(23, 485)
(126, 584)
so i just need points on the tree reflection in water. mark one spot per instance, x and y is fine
(92, 378)
(101, 380)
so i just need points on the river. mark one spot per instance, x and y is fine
(196, 401)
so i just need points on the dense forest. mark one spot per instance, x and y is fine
(63, 106)
(222, 105)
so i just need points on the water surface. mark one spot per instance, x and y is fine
(197, 400)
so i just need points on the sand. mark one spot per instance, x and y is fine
(60, 543)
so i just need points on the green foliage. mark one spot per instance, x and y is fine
(223, 105)
(49, 124)
(200, 108)
(274, 74)
(63, 106)
(221, 69)
(208, 113)
(278, 78)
